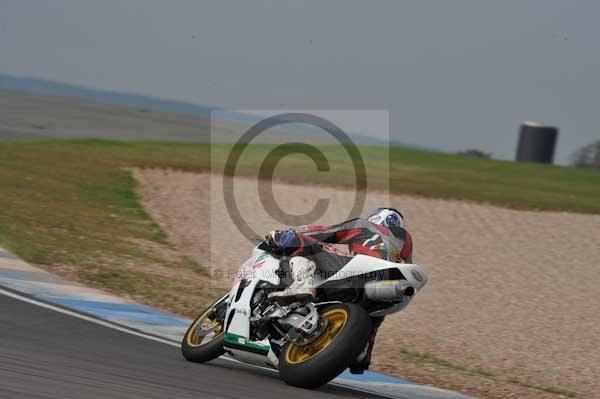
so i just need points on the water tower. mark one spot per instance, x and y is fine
(537, 143)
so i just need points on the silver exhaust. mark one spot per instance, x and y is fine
(388, 290)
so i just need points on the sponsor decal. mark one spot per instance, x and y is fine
(258, 265)
(416, 275)
(335, 250)
(243, 343)
(261, 257)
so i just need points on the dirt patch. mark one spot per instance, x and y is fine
(512, 308)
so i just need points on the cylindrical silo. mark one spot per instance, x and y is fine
(536, 143)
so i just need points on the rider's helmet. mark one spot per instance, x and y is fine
(393, 220)
(388, 217)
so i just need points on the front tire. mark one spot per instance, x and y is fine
(324, 358)
(203, 341)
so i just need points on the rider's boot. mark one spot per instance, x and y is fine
(364, 359)
(302, 289)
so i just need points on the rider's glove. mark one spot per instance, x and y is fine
(279, 239)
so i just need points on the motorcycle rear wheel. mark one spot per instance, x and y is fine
(324, 358)
(203, 341)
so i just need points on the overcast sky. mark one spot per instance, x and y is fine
(452, 73)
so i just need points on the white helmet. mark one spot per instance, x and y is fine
(387, 217)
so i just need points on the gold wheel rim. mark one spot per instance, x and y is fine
(337, 319)
(203, 328)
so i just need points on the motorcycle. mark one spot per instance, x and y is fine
(308, 343)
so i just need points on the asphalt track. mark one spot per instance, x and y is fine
(46, 354)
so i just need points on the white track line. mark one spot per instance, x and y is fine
(86, 318)
(105, 323)
(150, 337)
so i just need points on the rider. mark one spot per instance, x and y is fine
(381, 235)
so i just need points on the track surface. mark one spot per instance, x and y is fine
(45, 354)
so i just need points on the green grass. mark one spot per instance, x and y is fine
(73, 203)
(61, 204)
(516, 185)
(549, 389)
(73, 207)
(61, 201)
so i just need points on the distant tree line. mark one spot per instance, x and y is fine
(475, 153)
(587, 157)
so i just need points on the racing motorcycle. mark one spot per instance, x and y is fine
(308, 343)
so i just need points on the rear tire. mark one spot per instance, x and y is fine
(317, 363)
(195, 349)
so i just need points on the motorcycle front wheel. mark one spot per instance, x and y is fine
(323, 358)
(203, 341)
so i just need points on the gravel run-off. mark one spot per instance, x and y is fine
(513, 299)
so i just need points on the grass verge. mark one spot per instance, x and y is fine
(72, 204)
(68, 201)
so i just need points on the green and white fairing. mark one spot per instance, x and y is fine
(262, 267)
(259, 268)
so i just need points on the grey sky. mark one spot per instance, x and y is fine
(453, 73)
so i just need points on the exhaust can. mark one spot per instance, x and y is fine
(388, 290)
